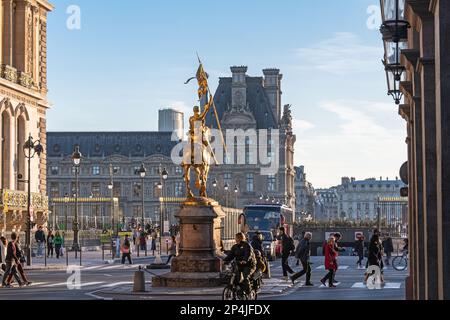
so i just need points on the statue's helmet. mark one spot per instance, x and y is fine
(196, 109)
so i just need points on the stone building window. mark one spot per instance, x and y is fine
(116, 170)
(96, 170)
(137, 189)
(95, 189)
(227, 179)
(54, 190)
(271, 183)
(178, 170)
(117, 189)
(178, 189)
(54, 170)
(250, 184)
(137, 210)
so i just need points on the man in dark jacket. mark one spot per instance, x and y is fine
(388, 248)
(303, 253)
(11, 262)
(39, 236)
(257, 243)
(242, 253)
(359, 249)
(287, 246)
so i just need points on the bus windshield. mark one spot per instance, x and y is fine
(262, 219)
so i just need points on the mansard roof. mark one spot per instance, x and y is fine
(105, 144)
(256, 98)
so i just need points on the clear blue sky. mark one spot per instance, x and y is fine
(130, 59)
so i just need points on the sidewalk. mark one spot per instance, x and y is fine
(89, 258)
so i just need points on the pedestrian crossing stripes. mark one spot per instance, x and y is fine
(109, 267)
(387, 285)
(322, 267)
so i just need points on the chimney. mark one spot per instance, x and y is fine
(345, 180)
(272, 85)
(239, 87)
(353, 179)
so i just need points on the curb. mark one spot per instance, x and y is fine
(45, 268)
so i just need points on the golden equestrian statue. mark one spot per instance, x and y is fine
(199, 154)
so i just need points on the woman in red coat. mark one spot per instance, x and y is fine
(330, 262)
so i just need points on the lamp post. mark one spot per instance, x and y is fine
(395, 35)
(226, 187)
(30, 149)
(66, 201)
(214, 184)
(236, 191)
(142, 173)
(160, 187)
(76, 159)
(163, 176)
(111, 190)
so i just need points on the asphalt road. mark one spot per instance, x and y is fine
(53, 284)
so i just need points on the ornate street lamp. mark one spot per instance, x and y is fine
(214, 184)
(30, 149)
(76, 159)
(111, 190)
(394, 23)
(142, 171)
(226, 188)
(395, 35)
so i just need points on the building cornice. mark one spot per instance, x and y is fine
(47, 5)
(421, 7)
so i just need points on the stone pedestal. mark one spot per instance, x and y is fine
(197, 264)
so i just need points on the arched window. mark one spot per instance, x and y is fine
(21, 161)
(6, 157)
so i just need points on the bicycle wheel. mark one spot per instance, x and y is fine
(228, 294)
(400, 263)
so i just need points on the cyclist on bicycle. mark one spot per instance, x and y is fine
(242, 252)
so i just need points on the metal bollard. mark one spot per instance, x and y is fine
(45, 254)
(81, 250)
(103, 252)
(139, 281)
(67, 257)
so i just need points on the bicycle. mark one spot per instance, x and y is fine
(235, 290)
(400, 263)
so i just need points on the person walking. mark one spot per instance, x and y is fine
(297, 247)
(337, 248)
(287, 246)
(50, 243)
(3, 246)
(375, 256)
(39, 236)
(58, 241)
(388, 247)
(172, 249)
(359, 249)
(22, 260)
(11, 260)
(126, 251)
(330, 262)
(303, 254)
(143, 240)
(154, 236)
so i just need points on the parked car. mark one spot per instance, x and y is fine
(269, 243)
